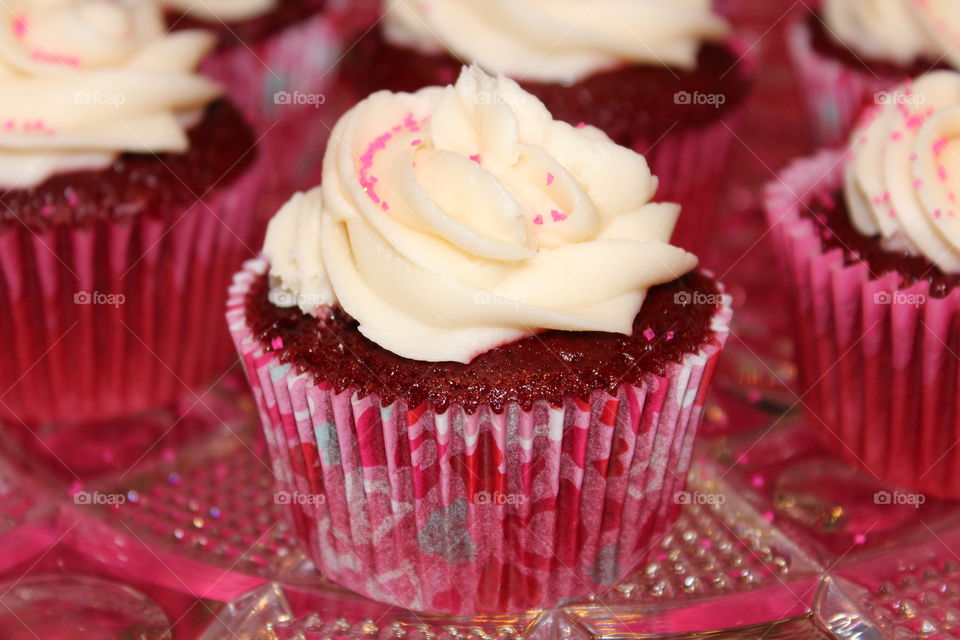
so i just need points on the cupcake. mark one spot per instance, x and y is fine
(275, 59)
(872, 250)
(850, 52)
(658, 77)
(479, 363)
(127, 188)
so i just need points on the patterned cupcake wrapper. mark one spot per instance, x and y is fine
(476, 513)
(282, 85)
(877, 359)
(691, 165)
(835, 94)
(110, 318)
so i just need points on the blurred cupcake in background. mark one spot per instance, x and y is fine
(662, 77)
(872, 251)
(850, 51)
(275, 59)
(476, 353)
(128, 186)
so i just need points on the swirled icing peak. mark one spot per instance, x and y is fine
(556, 40)
(222, 10)
(902, 181)
(84, 80)
(898, 31)
(457, 219)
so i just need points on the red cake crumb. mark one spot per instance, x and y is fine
(286, 13)
(222, 146)
(832, 216)
(552, 365)
(626, 102)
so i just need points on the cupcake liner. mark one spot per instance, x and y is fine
(282, 85)
(112, 317)
(835, 94)
(877, 359)
(482, 512)
(691, 165)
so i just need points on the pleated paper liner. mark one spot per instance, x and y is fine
(835, 94)
(111, 318)
(476, 513)
(281, 83)
(878, 359)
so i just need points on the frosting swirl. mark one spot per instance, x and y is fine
(457, 219)
(222, 10)
(555, 40)
(83, 80)
(902, 181)
(899, 31)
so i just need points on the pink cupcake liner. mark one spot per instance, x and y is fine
(691, 166)
(835, 94)
(114, 317)
(877, 358)
(483, 512)
(282, 85)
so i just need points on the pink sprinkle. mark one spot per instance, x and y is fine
(277, 343)
(581, 125)
(913, 157)
(757, 481)
(670, 335)
(557, 216)
(706, 543)
(886, 196)
(47, 209)
(72, 198)
(397, 128)
(859, 538)
(896, 136)
(9, 124)
(917, 183)
(476, 158)
(416, 143)
(942, 173)
(538, 220)
(940, 145)
(20, 26)
(549, 178)
(385, 206)
(649, 334)
(937, 213)
(892, 213)
(768, 516)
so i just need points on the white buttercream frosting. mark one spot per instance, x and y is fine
(899, 31)
(222, 10)
(84, 80)
(902, 180)
(457, 219)
(555, 40)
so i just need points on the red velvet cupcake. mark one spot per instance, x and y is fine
(656, 77)
(127, 197)
(850, 52)
(479, 363)
(871, 242)
(275, 58)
